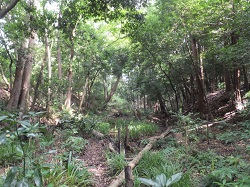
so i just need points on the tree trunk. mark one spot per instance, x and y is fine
(162, 104)
(70, 81)
(246, 82)
(84, 92)
(38, 83)
(227, 78)
(105, 90)
(17, 85)
(238, 101)
(129, 179)
(113, 90)
(48, 59)
(4, 77)
(199, 75)
(59, 59)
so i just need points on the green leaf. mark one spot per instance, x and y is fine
(38, 177)
(51, 185)
(3, 139)
(147, 181)
(161, 180)
(174, 178)
(23, 183)
(3, 118)
(24, 124)
(10, 177)
(32, 135)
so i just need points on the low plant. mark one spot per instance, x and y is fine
(75, 144)
(22, 136)
(155, 163)
(161, 180)
(72, 174)
(103, 127)
(116, 162)
(228, 137)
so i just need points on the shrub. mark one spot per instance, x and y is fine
(75, 144)
(103, 127)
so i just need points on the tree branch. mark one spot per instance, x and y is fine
(12, 4)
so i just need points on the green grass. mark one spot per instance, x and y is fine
(116, 162)
(155, 163)
(137, 129)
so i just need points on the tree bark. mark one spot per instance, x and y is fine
(48, 59)
(129, 179)
(84, 91)
(38, 83)
(246, 82)
(199, 78)
(237, 99)
(24, 99)
(112, 91)
(70, 81)
(17, 85)
(9, 7)
(4, 77)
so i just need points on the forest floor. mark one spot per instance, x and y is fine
(94, 154)
(94, 158)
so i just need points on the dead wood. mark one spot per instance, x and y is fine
(111, 148)
(120, 178)
(97, 134)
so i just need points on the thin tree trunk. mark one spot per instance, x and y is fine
(59, 59)
(129, 179)
(113, 90)
(4, 77)
(38, 83)
(246, 82)
(238, 101)
(70, 81)
(227, 78)
(48, 59)
(84, 91)
(105, 89)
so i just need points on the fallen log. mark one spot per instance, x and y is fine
(97, 134)
(120, 178)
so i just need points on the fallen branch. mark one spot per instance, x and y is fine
(97, 134)
(119, 179)
(111, 148)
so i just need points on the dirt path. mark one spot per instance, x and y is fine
(94, 157)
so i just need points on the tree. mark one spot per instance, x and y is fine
(20, 94)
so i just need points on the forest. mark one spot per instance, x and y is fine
(134, 93)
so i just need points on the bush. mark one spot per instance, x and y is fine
(75, 144)
(103, 127)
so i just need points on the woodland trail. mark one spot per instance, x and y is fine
(94, 158)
